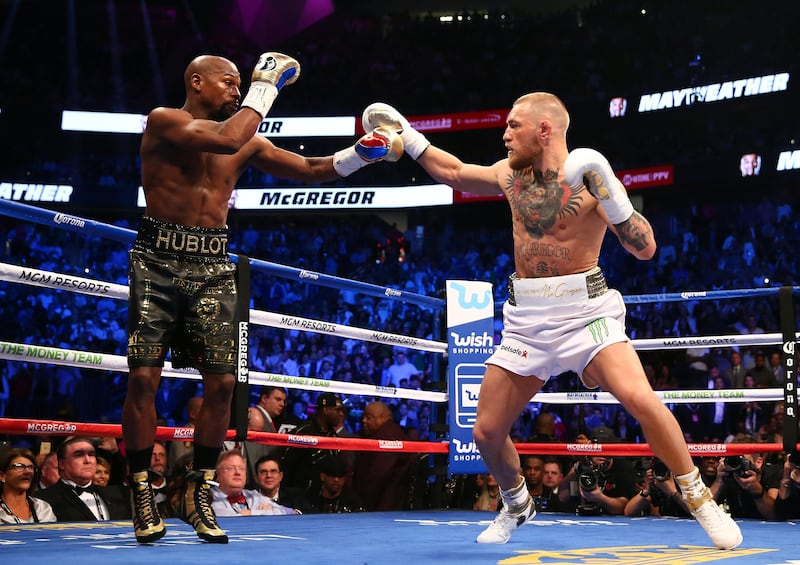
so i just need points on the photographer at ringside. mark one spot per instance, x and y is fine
(746, 486)
(598, 485)
(658, 493)
(787, 505)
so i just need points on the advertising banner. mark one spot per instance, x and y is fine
(470, 341)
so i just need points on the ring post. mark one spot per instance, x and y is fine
(241, 391)
(789, 360)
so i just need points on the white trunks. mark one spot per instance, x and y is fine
(558, 324)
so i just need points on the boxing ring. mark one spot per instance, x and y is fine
(441, 536)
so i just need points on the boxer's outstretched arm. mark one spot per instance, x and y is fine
(379, 145)
(441, 165)
(448, 169)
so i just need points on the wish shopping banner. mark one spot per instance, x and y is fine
(470, 341)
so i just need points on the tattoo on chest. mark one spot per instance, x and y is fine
(539, 200)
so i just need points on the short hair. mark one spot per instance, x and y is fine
(266, 390)
(227, 454)
(62, 449)
(269, 457)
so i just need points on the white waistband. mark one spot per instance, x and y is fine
(566, 289)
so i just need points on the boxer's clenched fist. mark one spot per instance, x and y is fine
(588, 166)
(381, 144)
(273, 71)
(379, 114)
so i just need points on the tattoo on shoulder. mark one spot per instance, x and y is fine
(635, 231)
(540, 200)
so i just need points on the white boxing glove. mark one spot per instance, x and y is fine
(381, 144)
(588, 166)
(379, 114)
(272, 71)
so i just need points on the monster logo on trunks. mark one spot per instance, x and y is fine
(470, 341)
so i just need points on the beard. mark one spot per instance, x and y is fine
(225, 112)
(520, 161)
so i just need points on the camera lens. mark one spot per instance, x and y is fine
(734, 463)
(660, 470)
(588, 480)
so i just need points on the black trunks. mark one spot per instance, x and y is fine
(182, 297)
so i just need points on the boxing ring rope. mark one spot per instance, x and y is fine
(123, 235)
(61, 281)
(94, 360)
(37, 353)
(119, 363)
(166, 433)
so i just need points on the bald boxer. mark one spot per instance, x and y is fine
(560, 314)
(182, 284)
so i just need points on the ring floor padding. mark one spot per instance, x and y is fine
(407, 538)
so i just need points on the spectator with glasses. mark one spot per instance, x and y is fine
(269, 475)
(230, 498)
(17, 477)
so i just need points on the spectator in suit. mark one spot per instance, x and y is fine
(721, 415)
(74, 498)
(231, 498)
(382, 478)
(776, 366)
(48, 472)
(735, 374)
(158, 477)
(17, 506)
(269, 475)
(404, 418)
(272, 403)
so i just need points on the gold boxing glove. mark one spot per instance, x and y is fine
(273, 71)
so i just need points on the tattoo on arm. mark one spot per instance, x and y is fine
(635, 232)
